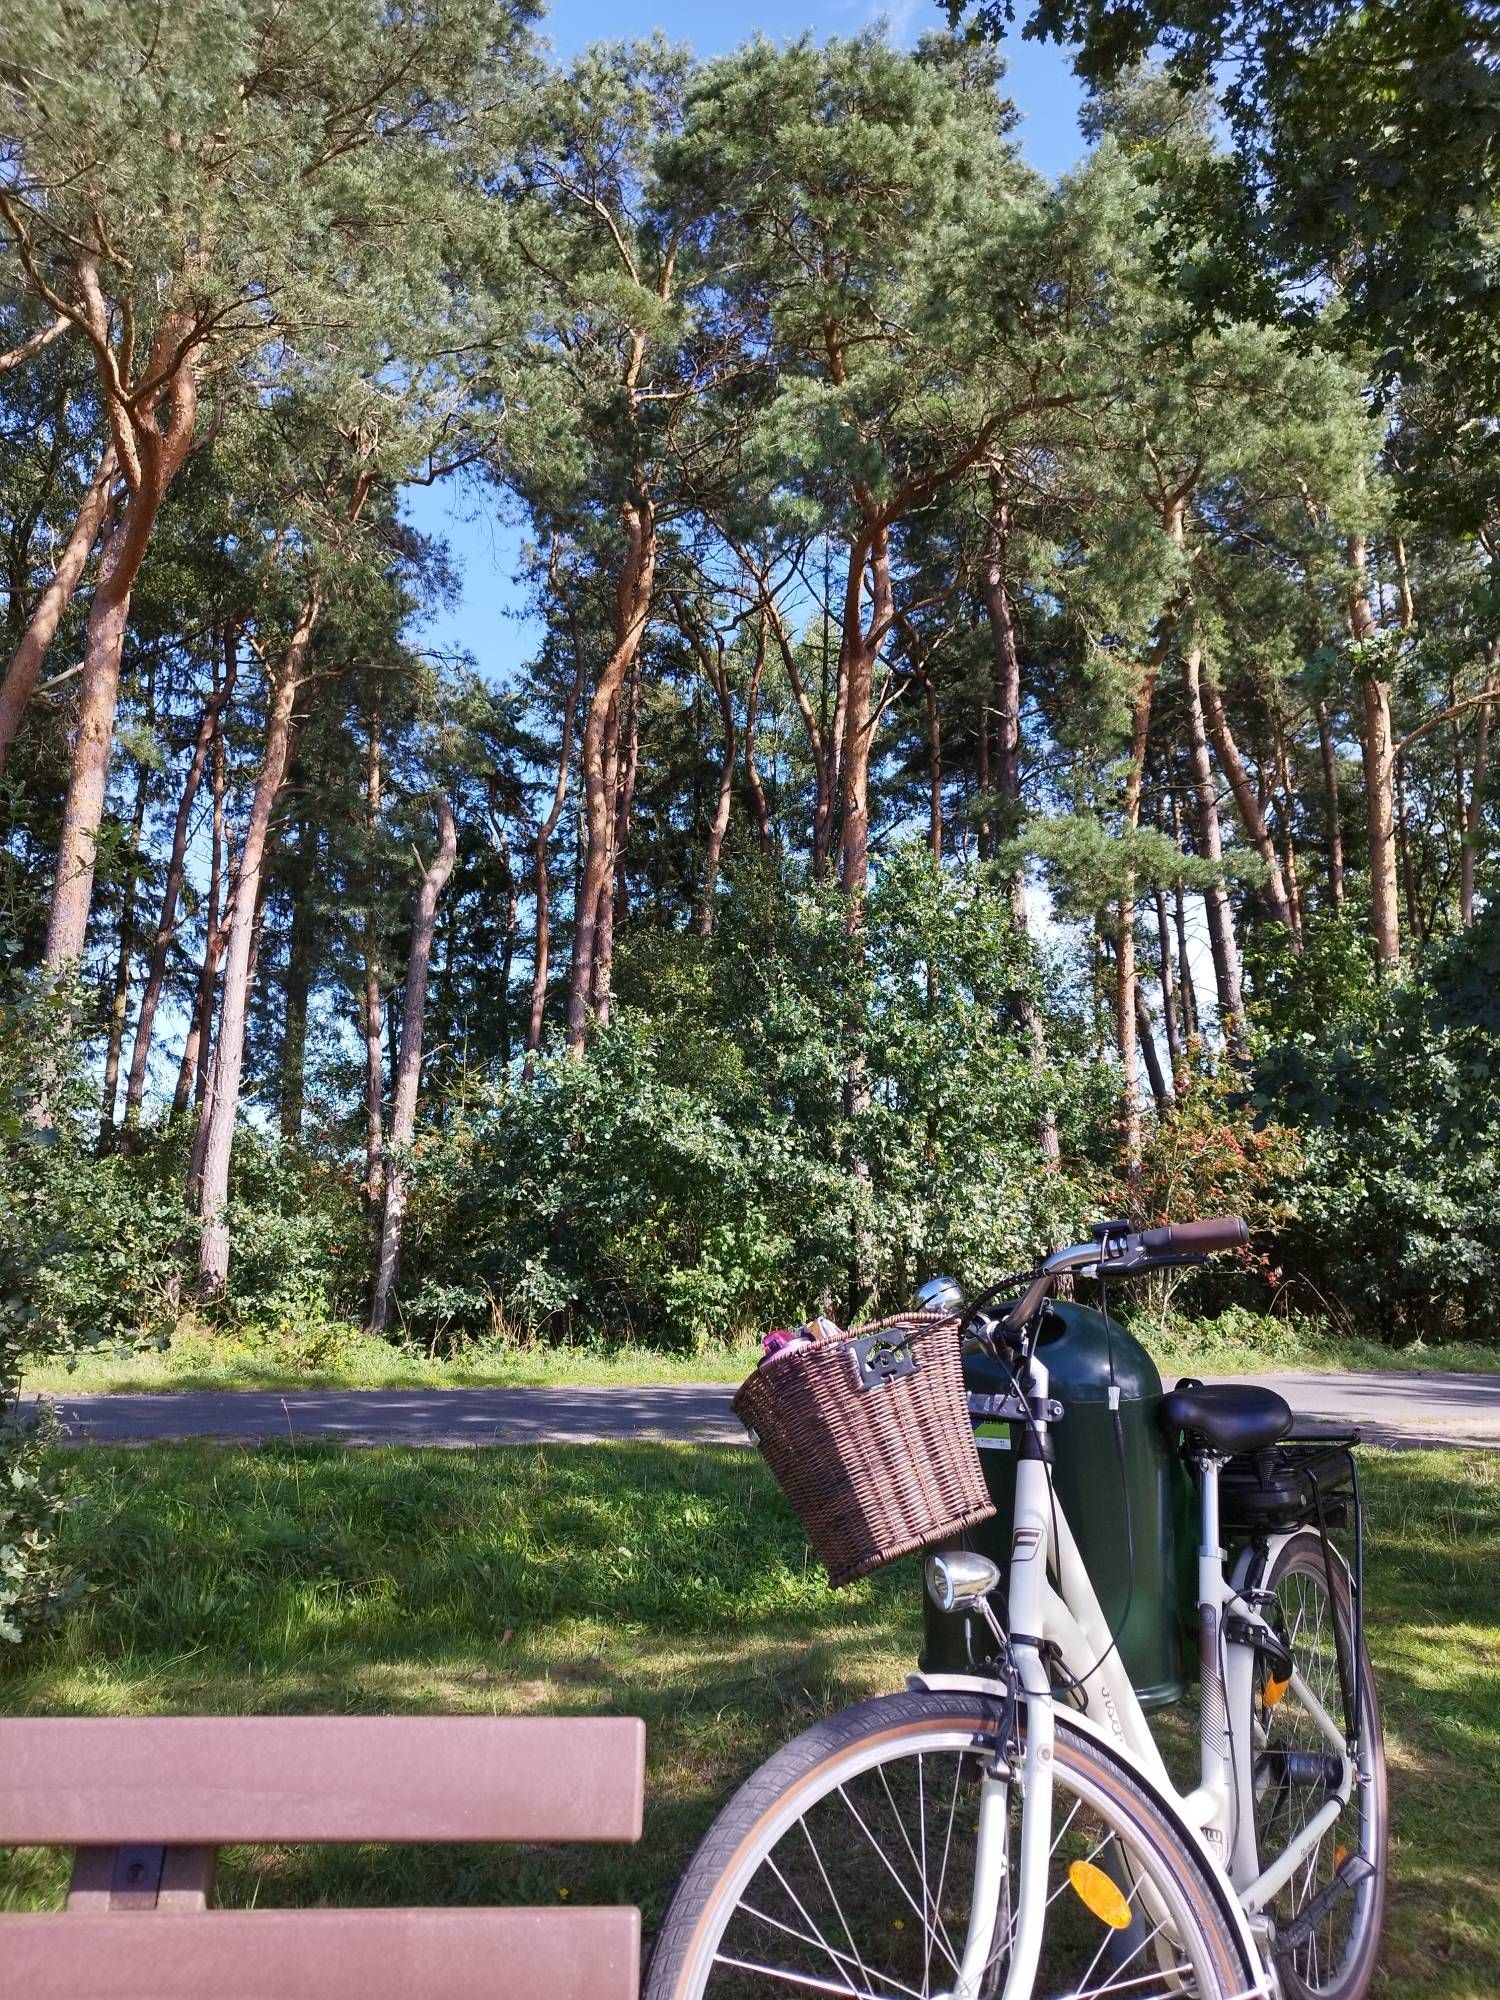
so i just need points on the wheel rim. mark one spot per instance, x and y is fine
(858, 1884)
(1305, 1615)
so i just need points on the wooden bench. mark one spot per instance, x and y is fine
(145, 1803)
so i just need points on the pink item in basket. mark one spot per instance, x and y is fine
(779, 1339)
(782, 1340)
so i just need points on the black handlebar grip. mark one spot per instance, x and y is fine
(1199, 1239)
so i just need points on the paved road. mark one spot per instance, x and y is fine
(1399, 1409)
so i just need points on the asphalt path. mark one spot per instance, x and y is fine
(1391, 1409)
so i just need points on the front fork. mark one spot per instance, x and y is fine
(1027, 1612)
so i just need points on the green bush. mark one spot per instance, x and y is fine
(36, 1584)
(1395, 1094)
(299, 1270)
(84, 1258)
(696, 1177)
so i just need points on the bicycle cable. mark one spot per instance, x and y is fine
(1075, 1682)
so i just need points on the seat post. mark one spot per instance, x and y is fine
(1209, 1539)
(1215, 1739)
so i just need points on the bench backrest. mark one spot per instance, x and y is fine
(146, 1802)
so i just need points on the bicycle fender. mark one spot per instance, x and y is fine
(1166, 1803)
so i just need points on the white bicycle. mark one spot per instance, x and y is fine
(1014, 1833)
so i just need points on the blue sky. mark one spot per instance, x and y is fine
(483, 621)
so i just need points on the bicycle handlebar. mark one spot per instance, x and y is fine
(1198, 1239)
(1119, 1251)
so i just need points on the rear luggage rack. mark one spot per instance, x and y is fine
(1281, 1486)
(1308, 1480)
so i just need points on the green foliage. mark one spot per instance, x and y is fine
(720, 327)
(36, 1584)
(298, 1278)
(1365, 164)
(80, 1263)
(1395, 1092)
(1332, 978)
(696, 1178)
(85, 1243)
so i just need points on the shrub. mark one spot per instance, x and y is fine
(299, 1270)
(84, 1258)
(36, 1587)
(1396, 1096)
(697, 1177)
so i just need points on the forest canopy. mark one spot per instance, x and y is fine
(1002, 735)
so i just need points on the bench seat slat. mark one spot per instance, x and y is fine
(210, 1781)
(582, 1954)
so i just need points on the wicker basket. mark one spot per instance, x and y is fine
(871, 1441)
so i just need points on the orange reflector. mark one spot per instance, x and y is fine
(1097, 1893)
(1340, 1856)
(1273, 1692)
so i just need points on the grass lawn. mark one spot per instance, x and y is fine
(197, 1359)
(671, 1582)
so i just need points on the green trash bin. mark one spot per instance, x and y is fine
(1075, 1344)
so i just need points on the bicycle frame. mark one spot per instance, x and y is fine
(1053, 1605)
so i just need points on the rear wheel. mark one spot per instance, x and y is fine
(1328, 1917)
(846, 1866)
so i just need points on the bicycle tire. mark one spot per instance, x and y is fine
(1299, 1562)
(784, 1792)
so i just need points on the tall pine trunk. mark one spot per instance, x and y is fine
(408, 1071)
(623, 764)
(193, 1067)
(119, 1001)
(25, 666)
(1273, 891)
(1221, 937)
(1006, 668)
(1403, 849)
(1006, 661)
(859, 648)
(372, 1006)
(1172, 1020)
(752, 769)
(1192, 1027)
(632, 610)
(301, 945)
(1331, 794)
(541, 875)
(825, 746)
(601, 978)
(1377, 744)
(1161, 1089)
(711, 658)
(221, 1104)
(159, 457)
(1287, 811)
(509, 926)
(1128, 1001)
(171, 895)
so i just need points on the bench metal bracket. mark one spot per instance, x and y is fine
(142, 1878)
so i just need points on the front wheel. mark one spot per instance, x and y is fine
(846, 1865)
